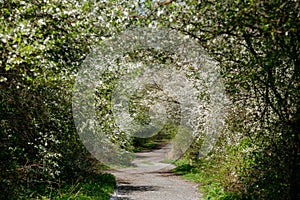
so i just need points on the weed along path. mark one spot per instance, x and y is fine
(151, 179)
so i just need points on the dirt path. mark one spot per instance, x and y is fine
(152, 180)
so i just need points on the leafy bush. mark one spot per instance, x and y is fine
(42, 44)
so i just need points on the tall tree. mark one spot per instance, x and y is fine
(257, 44)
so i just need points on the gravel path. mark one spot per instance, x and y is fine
(152, 180)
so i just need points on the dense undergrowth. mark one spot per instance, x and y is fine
(237, 172)
(93, 187)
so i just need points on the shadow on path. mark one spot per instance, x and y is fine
(152, 179)
(127, 189)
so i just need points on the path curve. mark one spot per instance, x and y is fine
(151, 179)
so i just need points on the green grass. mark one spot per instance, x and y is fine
(93, 187)
(151, 143)
(147, 146)
(208, 178)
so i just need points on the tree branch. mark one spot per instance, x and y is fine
(162, 3)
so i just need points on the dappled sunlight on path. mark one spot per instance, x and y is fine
(151, 179)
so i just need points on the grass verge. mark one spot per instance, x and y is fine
(92, 187)
(209, 180)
